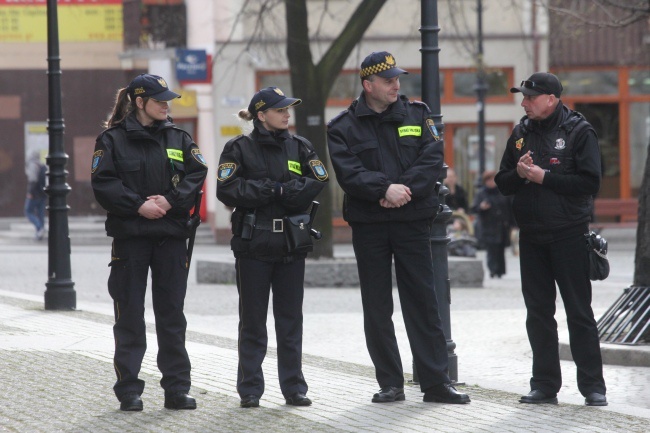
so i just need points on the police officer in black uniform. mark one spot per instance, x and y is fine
(146, 173)
(267, 175)
(387, 156)
(551, 166)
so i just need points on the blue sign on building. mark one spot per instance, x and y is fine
(191, 65)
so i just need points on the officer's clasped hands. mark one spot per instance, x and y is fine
(397, 195)
(151, 210)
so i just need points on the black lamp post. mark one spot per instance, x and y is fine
(481, 89)
(439, 238)
(59, 293)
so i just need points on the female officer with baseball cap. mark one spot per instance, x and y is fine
(267, 175)
(146, 173)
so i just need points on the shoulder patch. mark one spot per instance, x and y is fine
(318, 169)
(226, 170)
(196, 153)
(97, 159)
(337, 117)
(431, 126)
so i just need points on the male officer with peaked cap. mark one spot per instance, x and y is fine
(552, 167)
(387, 155)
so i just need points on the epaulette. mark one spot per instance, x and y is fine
(419, 103)
(337, 117)
(110, 128)
(303, 141)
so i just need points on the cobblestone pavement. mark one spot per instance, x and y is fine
(56, 367)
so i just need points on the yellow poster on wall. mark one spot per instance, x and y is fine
(79, 20)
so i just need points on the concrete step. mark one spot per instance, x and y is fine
(82, 231)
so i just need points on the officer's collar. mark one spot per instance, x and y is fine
(132, 124)
(269, 137)
(395, 111)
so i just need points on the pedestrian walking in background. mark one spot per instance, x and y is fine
(36, 198)
(268, 175)
(551, 166)
(146, 173)
(388, 155)
(494, 212)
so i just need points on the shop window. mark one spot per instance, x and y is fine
(639, 82)
(589, 82)
(347, 86)
(465, 84)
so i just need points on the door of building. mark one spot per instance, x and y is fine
(604, 117)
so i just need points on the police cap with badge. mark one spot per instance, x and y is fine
(380, 63)
(270, 97)
(150, 86)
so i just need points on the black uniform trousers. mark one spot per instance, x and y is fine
(127, 284)
(255, 278)
(375, 246)
(542, 265)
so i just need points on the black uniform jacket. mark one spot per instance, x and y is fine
(371, 151)
(132, 162)
(273, 175)
(566, 147)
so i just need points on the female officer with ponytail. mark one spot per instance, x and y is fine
(146, 173)
(267, 175)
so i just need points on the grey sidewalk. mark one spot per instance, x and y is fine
(56, 367)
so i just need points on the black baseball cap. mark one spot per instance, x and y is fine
(540, 83)
(270, 97)
(381, 63)
(151, 86)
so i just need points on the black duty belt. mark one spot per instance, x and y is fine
(275, 225)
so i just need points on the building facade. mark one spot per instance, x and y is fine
(240, 51)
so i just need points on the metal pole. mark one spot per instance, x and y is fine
(439, 238)
(59, 293)
(481, 90)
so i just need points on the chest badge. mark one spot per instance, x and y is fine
(175, 179)
(519, 144)
(560, 144)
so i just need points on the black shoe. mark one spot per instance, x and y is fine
(298, 399)
(445, 393)
(131, 401)
(179, 400)
(596, 399)
(389, 394)
(537, 397)
(250, 401)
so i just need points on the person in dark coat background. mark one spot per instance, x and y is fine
(494, 213)
(457, 198)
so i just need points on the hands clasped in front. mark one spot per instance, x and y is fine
(397, 195)
(155, 207)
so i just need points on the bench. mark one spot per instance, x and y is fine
(621, 209)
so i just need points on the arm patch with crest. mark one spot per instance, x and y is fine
(226, 170)
(318, 169)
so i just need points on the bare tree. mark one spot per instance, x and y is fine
(311, 80)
